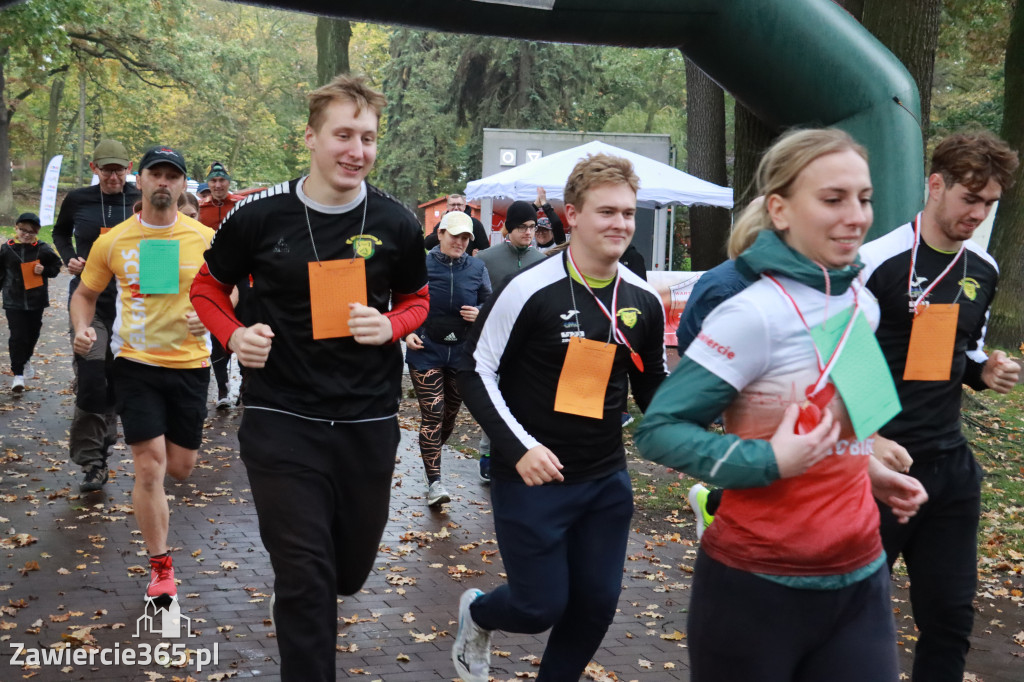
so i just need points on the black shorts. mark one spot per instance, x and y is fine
(157, 401)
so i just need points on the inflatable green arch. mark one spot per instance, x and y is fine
(792, 62)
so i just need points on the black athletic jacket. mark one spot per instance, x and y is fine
(514, 356)
(930, 420)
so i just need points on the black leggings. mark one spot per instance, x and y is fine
(439, 400)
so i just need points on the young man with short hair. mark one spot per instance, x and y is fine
(545, 372)
(931, 281)
(85, 214)
(162, 353)
(339, 276)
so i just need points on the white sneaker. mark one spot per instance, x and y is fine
(437, 495)
(471, 653)
(18, 385)
(30, 371)
(698, 499)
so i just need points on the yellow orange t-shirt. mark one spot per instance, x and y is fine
(151, 328)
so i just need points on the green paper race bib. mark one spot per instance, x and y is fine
(861, 373)
(158, 266)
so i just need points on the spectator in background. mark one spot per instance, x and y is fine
(550, 232)
(189, 205)
(203, 191)
(458, 287)
(481, 236)
(213, 210)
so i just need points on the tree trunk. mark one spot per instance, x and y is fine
(910, 29)
(1006, 323)
(80, 166)
(705, 159)
(332, 39)
(752, 139)
(6, 191)
(52, 121)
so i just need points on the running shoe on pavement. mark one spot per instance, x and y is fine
(437, 495)
(95, 478)
(471, 653)
(161, 581)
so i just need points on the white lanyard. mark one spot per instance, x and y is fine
(923, 298)
(824, 369)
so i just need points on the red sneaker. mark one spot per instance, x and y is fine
(161, 581)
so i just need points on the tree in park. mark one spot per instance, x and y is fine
(1006, 323)
(705, 159)
(332, 40)
(30, 38)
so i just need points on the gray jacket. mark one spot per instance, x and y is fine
(504, 260)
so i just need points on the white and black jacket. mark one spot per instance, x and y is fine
(513, 360)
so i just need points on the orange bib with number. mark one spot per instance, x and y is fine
(930, 355)
(333, 285)
(584, 378)
(28, 273)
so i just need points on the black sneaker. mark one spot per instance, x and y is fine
(94, 479)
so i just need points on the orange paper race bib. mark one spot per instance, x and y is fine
(333, 285)
(28, 273)
(104, 230)
(930, 355)
(584, 378)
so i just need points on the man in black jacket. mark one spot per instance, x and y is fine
(85, 214)
(560, 490)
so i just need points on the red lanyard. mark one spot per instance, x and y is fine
(923, 298)
(612, 315)
(824, 369)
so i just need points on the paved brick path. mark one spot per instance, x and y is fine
(398, 629)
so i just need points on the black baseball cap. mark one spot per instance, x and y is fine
(29, 218)
(161, 154)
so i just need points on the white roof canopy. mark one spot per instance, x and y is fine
(660, 184)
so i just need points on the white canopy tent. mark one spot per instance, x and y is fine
(661, 186)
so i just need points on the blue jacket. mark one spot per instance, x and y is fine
(453, 284)
(715, 286)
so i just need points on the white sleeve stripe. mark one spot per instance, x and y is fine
(495, 333)
(978, 353)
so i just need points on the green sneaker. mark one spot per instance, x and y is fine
(698, 498)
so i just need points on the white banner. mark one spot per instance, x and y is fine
(48, 199)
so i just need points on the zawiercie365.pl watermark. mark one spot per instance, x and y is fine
(157, 620)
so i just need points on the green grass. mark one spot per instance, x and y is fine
(994, 425)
